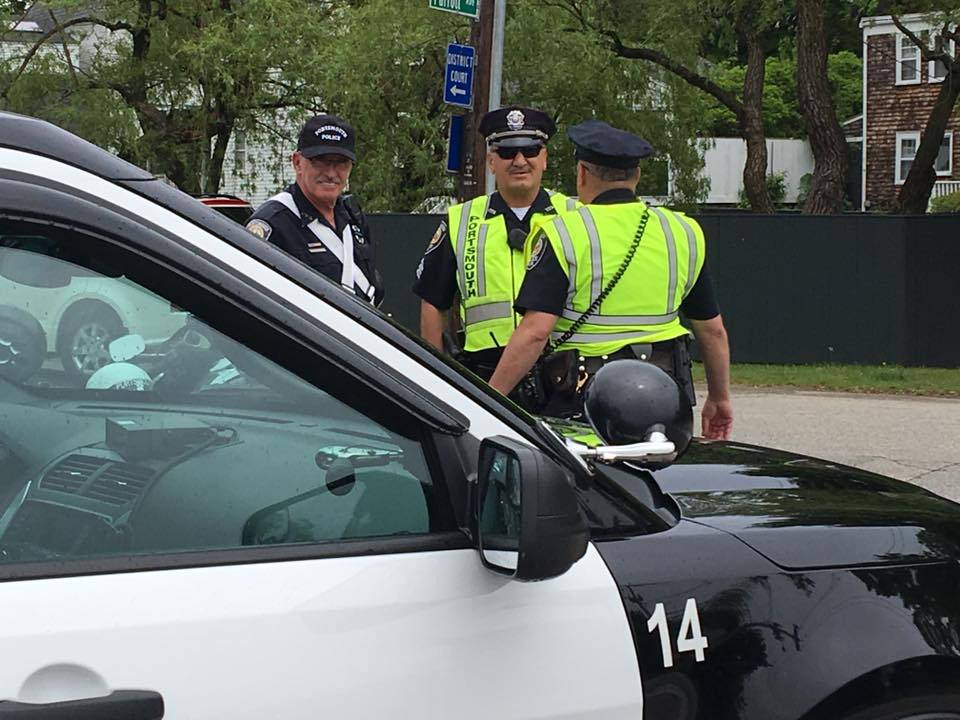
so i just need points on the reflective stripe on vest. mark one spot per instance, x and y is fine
(583, 338)
(672, 250)
(570, 256)
(490, 311)
(489, 271)
(667, 261)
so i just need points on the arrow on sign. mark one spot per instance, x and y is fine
(456, 90)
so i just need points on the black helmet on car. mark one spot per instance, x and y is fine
(628, 400)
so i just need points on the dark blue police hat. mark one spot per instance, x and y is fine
(327, 135)
(516, 126)
(604, 145)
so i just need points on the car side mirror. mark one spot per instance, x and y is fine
(528, 517)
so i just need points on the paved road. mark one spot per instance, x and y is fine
(915, 439)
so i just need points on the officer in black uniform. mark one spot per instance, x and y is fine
(625, 320)
(484, 238)
(312, 219)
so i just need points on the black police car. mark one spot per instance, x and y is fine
(288, 507)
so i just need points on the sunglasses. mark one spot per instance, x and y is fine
(509, 153)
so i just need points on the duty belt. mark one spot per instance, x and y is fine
(659, 354)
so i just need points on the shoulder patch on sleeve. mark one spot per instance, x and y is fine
(539, 246)
(260, 228)
(437, 238)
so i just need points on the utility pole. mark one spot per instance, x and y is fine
(473, 160)
(496, 68)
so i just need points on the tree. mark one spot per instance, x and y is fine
(168, 86)
(685, 26)
(915, 193)
(385, 74)
(174, 78)
(782, 116)
(394, 54)
(584, 80)
(827, 187)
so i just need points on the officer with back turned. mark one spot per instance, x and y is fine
(609, 280)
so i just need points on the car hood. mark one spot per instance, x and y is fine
(804, 513)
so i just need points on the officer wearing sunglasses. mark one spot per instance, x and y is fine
(478, 251)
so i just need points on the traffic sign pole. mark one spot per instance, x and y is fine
(496, 67)
(473, 168)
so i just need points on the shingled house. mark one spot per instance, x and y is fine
(899, 90)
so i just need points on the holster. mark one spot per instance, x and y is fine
(559, 374)
(683, 368)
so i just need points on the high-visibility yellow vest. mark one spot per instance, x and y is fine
(591, 244)
(489, 271)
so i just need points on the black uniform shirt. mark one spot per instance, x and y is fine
(437, 273)
(545, 285)
(274, 223)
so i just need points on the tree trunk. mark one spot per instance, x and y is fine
(751, 124)
(214, 169)
(816, 102)
(915, 193)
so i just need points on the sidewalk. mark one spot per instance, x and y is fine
(909, 438)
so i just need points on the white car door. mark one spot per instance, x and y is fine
(422, 635)
(190, 538)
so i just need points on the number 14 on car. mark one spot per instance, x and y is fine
(690, 638)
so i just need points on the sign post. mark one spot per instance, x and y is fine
(458, 75)
(461, 7)
(454, 144)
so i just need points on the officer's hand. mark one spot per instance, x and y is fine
(717, 419)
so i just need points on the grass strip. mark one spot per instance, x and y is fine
(886, 379)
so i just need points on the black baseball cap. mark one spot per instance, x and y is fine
(327, 135)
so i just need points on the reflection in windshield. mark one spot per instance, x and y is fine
(66, 326)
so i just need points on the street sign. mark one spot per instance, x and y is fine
(461, 7)
(454, 143)
(458, 75)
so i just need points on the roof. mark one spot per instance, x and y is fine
(883, 24)
(38, 19)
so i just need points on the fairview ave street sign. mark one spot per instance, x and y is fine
(458, 75)
(462, 7)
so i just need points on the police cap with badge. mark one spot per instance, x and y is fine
(602, 144)
(516, 128)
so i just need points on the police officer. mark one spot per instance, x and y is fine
(479, 249)
(607, 281)
(312, 219)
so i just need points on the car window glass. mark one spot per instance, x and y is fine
(128, 425)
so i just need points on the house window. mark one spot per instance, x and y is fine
(944, 163)
(938, 71)
(907, 144)
(908, 61)
(239, 151)
(906, 150)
